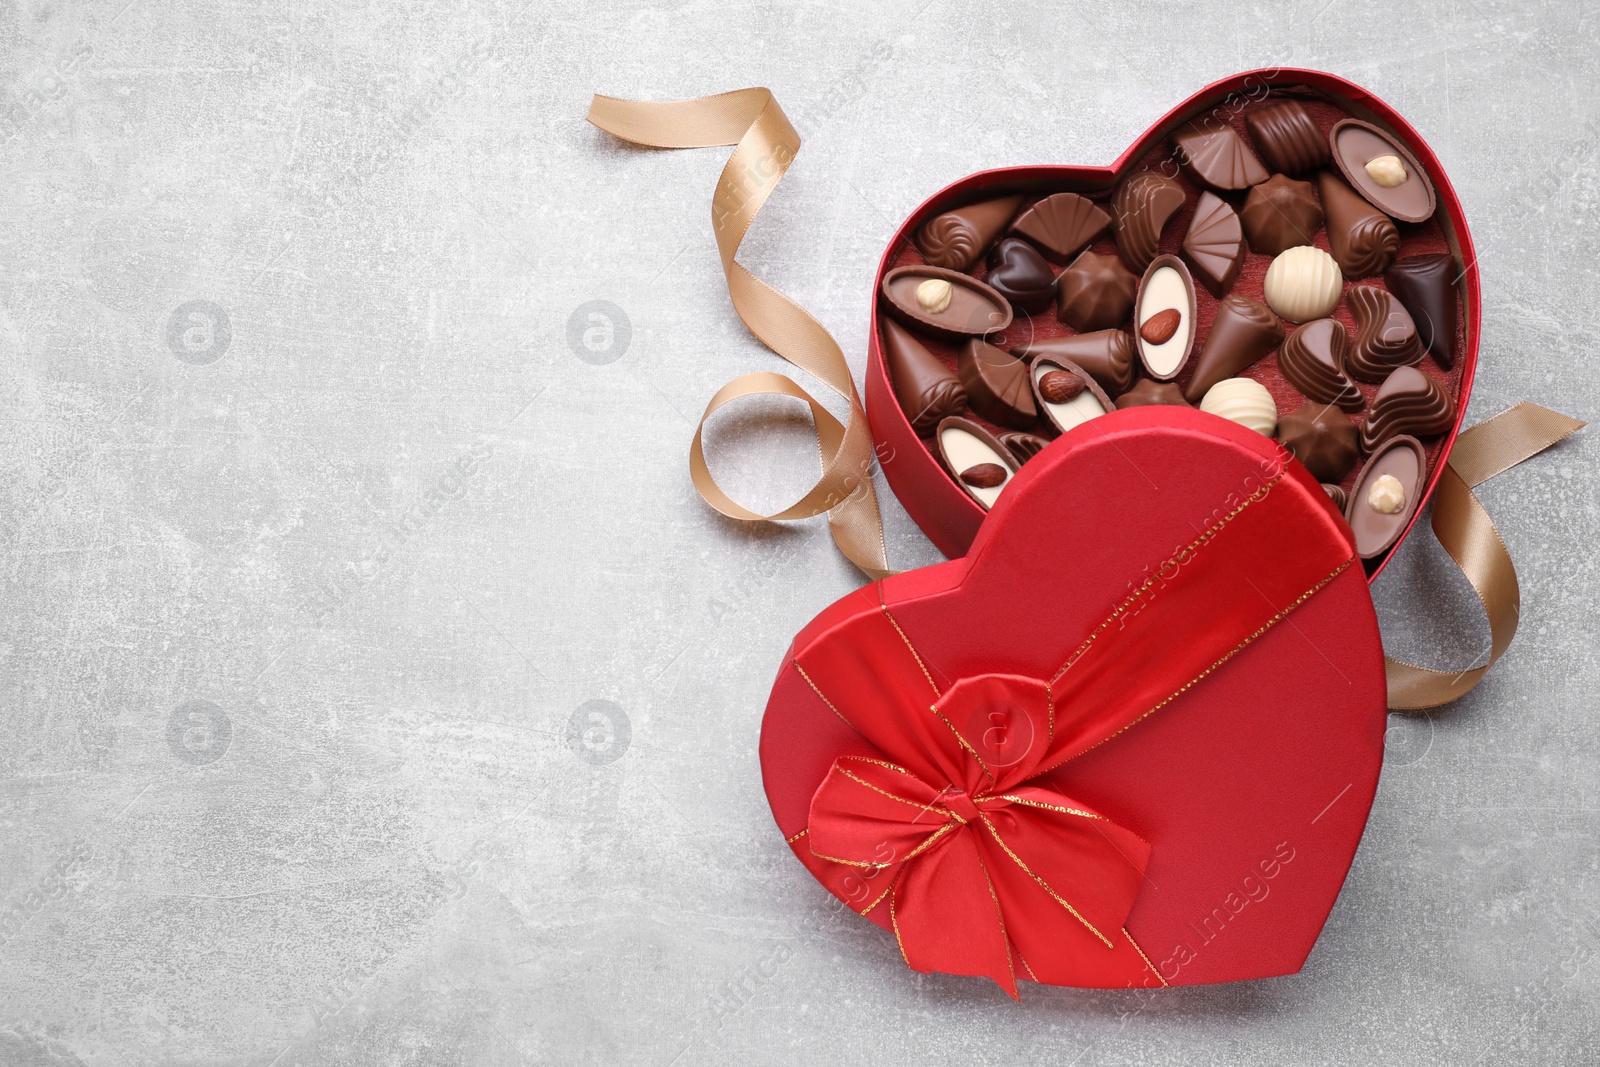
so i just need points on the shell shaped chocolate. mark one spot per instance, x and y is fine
(1313, 359)
(955, 239)
(1287, 137)
(1143, 205)
(1218, 158)
(1214, 245)
(1245, 401)
(1408, 402)
(1385, 337)
(1062, 224)
(1363, 240)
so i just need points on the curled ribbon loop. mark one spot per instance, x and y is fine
(765, 146)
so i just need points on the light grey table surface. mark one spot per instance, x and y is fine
(319, 538)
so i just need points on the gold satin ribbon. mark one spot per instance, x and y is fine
(765, 146)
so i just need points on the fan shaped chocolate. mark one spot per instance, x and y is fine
(1287, 137)
(997, 385)
(1020, 274)
(1107, 356)
(1095, 293)
(1066, 408)
(1313, 358)
(1323, 438)
(1143, 205)
(970, 308)
(1386, 495)
(1242, 332)
(925, 388)
(1062, 224)
(1426, 286)
(1385, 337)
(1280, 214)
(1383, 170)
(970, 453)
(1363, 239)
(1214, 245)
(956, 239)
(1408, 402)
(1218, 158)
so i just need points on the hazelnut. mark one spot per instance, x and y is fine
(1387, 171)
(934, 295)
(1387, 495)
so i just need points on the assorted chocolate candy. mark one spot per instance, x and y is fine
(1285, 258)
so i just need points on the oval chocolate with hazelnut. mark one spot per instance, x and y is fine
(984, 475)
(1060, 386)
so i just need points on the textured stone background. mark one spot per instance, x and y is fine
(376, 688)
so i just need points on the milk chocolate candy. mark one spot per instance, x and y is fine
(926, 390)
(955, 239)
(1164, 319)
(1095, 293)
(1020, 274)
(1107, 356)
(1063, 224)
(997, 385)
(1383, 170)
(1218, 158)
(1024, 446)
(1279, 214)
(1243, 331)
(1066, 393)
(1385, 338)
(1323, 438)
(1141, 208)
(1148, 391)
(1214, 245)
(1287, 137)
(1426, 287)
(1336, 494)
(1386, 495)
(1363, 239)
(1313, 358)
(972, 309)
(971, 454)
(1411, 403)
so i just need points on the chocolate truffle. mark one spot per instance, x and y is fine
(1323, 438)
(997, 385)
(1020, 274)
(925, 388)
(1095, 293)
(1386, 495)
(1149, 391)
(1242, 332)
(1214, 245)
(1408, 402)
(1244, 401)
(1303, 283)
(1063, 224)
(1313, 358)
(1425, 285)
(1279, 214)
(1218, 158)
(1287, 137)
(1382, 170)
(1107, 355)
(1143, 205)
(1363, 239)
(955, 239)
(971, 454)
(1385, 338)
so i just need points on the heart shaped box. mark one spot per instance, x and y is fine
(950, 517)
(1252, 787)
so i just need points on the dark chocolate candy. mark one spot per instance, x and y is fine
(1383, 170)
(1214, 245)
(1375, 526)
(1362, 239)
(974, 309)
(1143, 205)
(955, 239)
(1313, 359)
(1385, 338)
(1279, 214)
(1242, 332)
(997, 385)
(1075, 405)
(925, 388)
(1095, 293)
(963, 445)
(1148, 391)
(1024, 446)
(1323, 438)
(1336, 494)
(1287, 137)
(1408, 402)
(1107, 355)
(1020, 274)
(1063, 224)
(1426, 286)
(1165, 297)
(1218, 158)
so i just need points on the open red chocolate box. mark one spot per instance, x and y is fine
(947, 513)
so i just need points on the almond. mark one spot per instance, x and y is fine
(1059, 386)
(984, 475)
(1159, 328)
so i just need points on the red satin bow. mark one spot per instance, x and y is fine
(987, 867)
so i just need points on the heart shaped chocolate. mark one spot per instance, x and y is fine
(1020, 274)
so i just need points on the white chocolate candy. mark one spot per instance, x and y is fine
(1387, 495)
(1245, 401)
(1165, 288)
(1387, 171)
(1303, 283)
(1075, 412)
(934, 295)
(964, 451)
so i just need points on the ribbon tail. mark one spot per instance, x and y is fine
(765, 145)
(947, 916)
(1466, 531)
